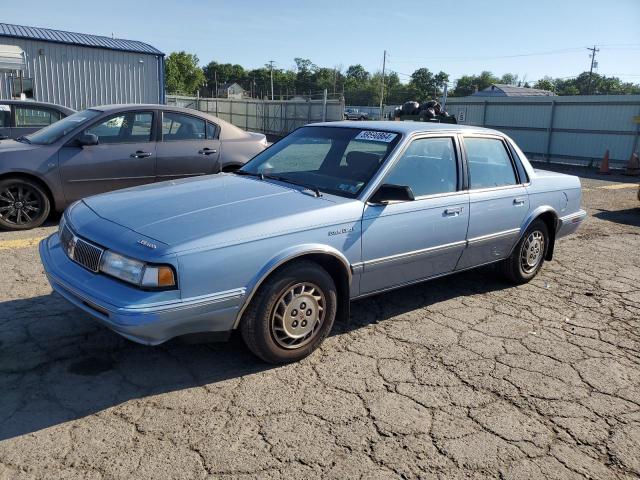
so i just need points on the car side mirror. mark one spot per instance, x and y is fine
(87, 139)
(392, 193)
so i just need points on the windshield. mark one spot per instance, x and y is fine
(336, 160)
(57, 130)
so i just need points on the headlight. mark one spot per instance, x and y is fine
(137, 272)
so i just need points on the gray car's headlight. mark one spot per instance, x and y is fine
(137, 272)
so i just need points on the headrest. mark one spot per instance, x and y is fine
(362, 161)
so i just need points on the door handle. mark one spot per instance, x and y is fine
(451, 212)
(207, 151)
(140, 154)
(519, 201)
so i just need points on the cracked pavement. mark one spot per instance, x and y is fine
(462, 377)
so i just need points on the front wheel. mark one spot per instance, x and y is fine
(23, 204)
(528, 255)
(291, 314)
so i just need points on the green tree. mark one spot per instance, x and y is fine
(545, 83)
(225, 72)
(182, 74)
(509, 79)
(468, 84)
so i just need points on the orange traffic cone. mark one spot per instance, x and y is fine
(604, 165)
(633, 166)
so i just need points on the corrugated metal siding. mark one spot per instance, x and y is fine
(74, 38)
(81, 77)
(576, 128)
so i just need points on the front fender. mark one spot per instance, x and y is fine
(286, 256)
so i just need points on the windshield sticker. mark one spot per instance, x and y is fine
(374, 136)
(5, 108)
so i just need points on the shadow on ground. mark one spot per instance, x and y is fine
(629, 216)
(57, 365)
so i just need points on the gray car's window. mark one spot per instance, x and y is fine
(489, 163)
(56, 131)
(338, 160)
(5, 116)
(176, 126)
(128, 127)
(428, 166)
(35, 117)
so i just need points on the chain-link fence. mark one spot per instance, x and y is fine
(273, 117)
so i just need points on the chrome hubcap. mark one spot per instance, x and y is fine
(19, 204)
(532, 251)
(298, 315)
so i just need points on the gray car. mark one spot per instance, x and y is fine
(22, 117)
(112, 147)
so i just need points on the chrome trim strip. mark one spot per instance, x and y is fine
(109, 178)
(581, 214)
(402, 256)
(492, 236)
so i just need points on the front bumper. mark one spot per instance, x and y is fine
(570, 223)
(143, 317)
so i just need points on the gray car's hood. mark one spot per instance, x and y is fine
(217, 210)
(13, 146)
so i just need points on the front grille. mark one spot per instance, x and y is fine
(80, 251)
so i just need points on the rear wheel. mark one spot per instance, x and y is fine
(292, 313)
(528, 256)
(23, 204)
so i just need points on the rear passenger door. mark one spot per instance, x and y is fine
(188, 146)
(404, 242)
(498, 200)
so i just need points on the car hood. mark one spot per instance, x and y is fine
(13, 146)
(217, 210)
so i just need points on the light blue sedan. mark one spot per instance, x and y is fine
(331, 213)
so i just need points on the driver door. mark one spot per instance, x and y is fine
(405, 242)
(124, 157)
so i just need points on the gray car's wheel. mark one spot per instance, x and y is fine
(291, 314)
(23, 204)
(528, 255)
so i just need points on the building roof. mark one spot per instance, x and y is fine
(502, 90)
(80, 39)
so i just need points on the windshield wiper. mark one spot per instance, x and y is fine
(313, 188)
(252, 174)
(23, 139)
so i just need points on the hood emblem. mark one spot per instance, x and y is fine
(147, 244)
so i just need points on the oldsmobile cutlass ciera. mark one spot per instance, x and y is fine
(333, 212)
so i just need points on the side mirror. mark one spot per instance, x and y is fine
(87, 139)
(392, 193)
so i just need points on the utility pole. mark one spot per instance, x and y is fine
(594, 64)
(384, 64)
(271, 68)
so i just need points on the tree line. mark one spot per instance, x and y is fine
(184, 76)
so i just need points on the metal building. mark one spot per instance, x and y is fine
(502, 90)
(78, 70)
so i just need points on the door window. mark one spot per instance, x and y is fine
(35, 117)
(489, 163)
(428, 166)
(5, 116)
(129, 127)
(176, 126)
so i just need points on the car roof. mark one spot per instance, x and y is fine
(37, 104)
(406, 128)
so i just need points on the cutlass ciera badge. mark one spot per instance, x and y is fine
(340, 231)
(147, 244)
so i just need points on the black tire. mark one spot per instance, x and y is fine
(527, 257)
(259, 327)
(23, 204)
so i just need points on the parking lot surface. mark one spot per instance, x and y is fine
(463, 377)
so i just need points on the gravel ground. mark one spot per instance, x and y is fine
(463, 377)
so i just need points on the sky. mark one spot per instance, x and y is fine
(532, 39)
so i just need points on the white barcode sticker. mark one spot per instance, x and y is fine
(374, 136)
